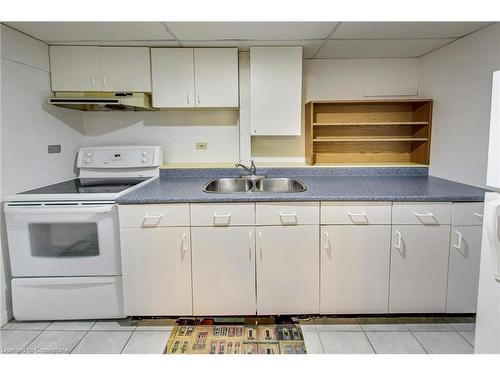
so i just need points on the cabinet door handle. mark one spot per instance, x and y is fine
(361, 215)
(198, 95)
(155, 218)
(250, 246)
(92, 80)
(104, 82)
(227, 218)
(425, 214)
(260, 245)
(480, 216)
(458, 245)
(397, 245)
(187, 98)
(183, 246)
(327, 245)
(285, 216)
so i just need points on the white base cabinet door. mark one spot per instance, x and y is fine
(156, 265)
(287, 269)
(355, 269)
(223, 270)
(419, 268)
(463, 272)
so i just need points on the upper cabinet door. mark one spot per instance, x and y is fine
(276, 90)
(216, 77)
(75, 68)
(173, 77)
(125, 69)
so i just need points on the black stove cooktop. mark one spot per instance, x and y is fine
(89, 185)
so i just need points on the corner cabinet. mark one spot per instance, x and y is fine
(276, 90)
(82, 68)
(465, 251)
(195, 77)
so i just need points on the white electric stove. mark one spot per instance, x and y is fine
(64, 245)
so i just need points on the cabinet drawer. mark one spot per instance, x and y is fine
(467, 213)
(421, 213)
(217, 214)
(287, 213)
(154, 215)
(355, 213)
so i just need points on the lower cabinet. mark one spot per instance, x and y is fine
(156, 264)
(418, 273)
(223, 270)
(355, 269)
(463, 270)
(287, 269)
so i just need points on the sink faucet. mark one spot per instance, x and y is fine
(252, 169)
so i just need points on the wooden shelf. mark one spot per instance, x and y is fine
(387, 123)
(369, 139)
(361, 132)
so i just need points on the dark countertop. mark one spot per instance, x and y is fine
(401, 184)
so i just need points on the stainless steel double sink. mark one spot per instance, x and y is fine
(250, 185)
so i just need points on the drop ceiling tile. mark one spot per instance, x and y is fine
(250, 30)
(93, 31)
(348, 49)
(405, 30)
(310, 46)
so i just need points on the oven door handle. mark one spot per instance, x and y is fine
(57, 210)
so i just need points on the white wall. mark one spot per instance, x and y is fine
(458, 77)
(28, 125)
(339, 79)
(177, 131)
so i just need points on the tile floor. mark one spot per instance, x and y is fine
(363, 335)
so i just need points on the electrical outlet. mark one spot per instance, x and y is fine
(201, 145)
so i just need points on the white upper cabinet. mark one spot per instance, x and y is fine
(195, 77)
(276, 90)
(216, 77)
(173, 78)
(74, 68)
(77, 68)
(125, 69)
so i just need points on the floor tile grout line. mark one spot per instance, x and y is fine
(463, 338)
(79, 341)
(369, 342)
(126, 343)
(34, 338)
(419, 343)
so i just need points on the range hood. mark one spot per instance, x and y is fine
(103, 101)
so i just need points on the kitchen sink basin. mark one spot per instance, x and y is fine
(249, 185)
(228, 185)
(279, 185)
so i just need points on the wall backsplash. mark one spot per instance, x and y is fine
(177, 131)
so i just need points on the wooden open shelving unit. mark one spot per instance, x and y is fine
(368, 131)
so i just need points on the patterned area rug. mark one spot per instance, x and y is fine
(236, 336)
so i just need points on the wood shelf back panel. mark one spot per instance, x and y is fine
(370, 153)
(363, 113)
(355, 132)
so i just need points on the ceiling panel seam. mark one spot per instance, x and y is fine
(330, 34)
(167, 29)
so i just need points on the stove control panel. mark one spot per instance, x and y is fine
(120, 157)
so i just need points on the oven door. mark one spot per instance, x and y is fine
(70, 239)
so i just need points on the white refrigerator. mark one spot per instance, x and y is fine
(488, 309)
